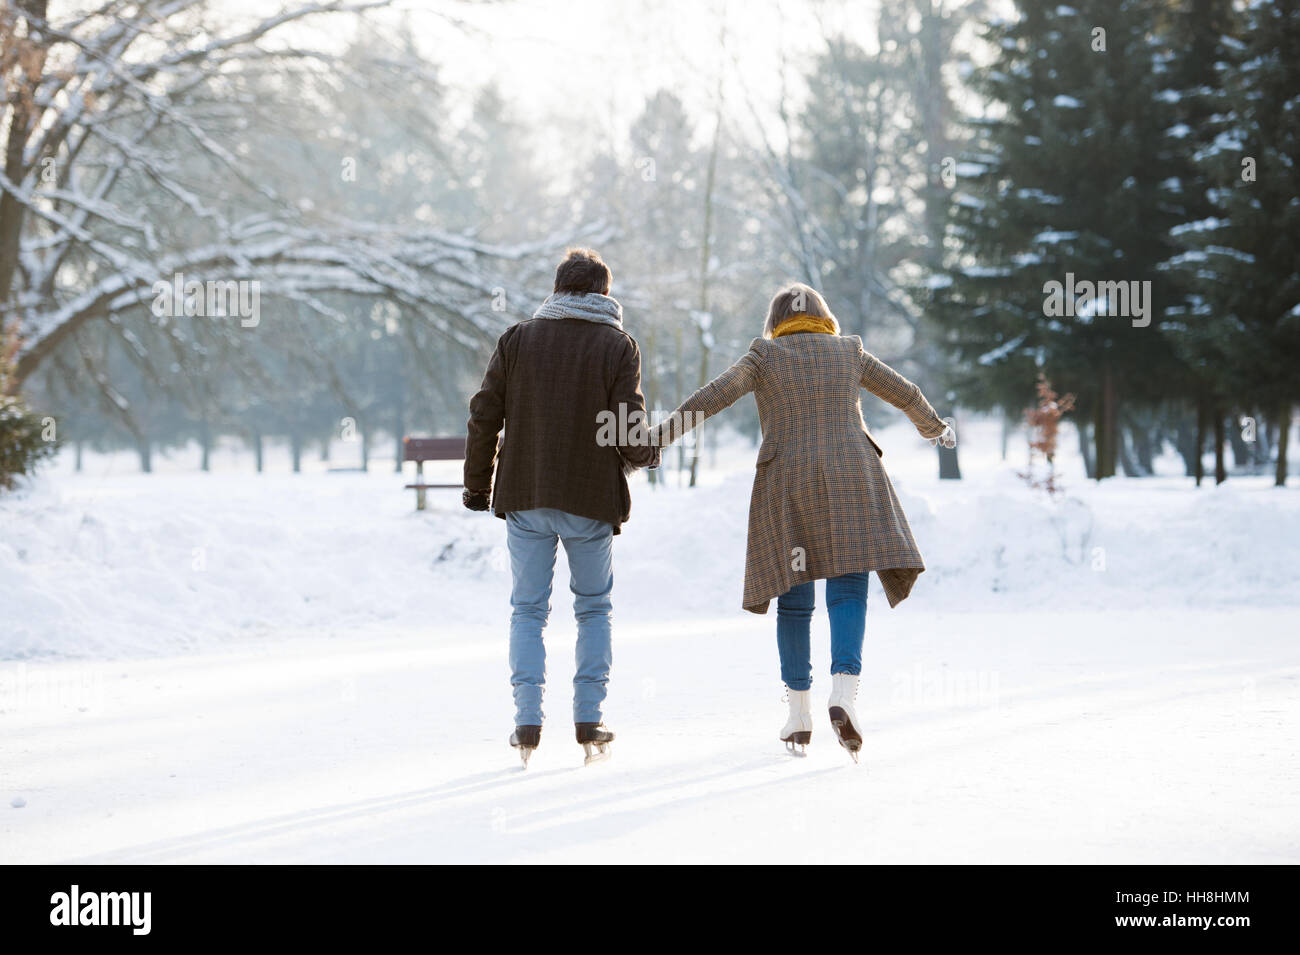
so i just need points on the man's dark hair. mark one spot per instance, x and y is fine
(582, 271)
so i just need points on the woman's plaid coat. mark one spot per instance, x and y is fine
(822, 505)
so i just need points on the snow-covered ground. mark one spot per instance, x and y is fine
(240, 667)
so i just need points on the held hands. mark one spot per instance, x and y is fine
(948, 439)
(476, 500)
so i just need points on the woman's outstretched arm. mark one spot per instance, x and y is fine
(721, 393)
(883, 382)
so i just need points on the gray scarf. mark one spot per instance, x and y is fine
(591, 307)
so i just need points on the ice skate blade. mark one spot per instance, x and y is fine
(596, 753)
(845, 732)
(796, 742)
(849, 743)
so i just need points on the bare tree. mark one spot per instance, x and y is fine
(120, 171)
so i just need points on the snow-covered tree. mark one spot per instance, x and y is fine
(1240, 257)
(856, 183)
(126, 129)
(25, 440)
(1067, 174)
(689, 247)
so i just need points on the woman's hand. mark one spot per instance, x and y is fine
(948, 439)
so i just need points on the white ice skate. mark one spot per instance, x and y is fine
(797, 732)
(844, 718)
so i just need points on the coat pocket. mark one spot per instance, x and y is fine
(766, 452)
(879, 452)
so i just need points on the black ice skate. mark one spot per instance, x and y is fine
(595, 739)
(525, 739)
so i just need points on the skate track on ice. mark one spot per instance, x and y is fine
(236, 667)
(387, 750)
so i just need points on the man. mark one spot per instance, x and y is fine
(552, 381)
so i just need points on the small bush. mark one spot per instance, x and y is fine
(1044, 421)
(23, 443)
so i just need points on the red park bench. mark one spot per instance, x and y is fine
(420, 450)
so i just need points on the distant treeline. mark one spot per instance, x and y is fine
(1105, 193)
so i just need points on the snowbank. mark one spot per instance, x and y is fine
(110, 562)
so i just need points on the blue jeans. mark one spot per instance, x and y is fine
(531, 537)
(846, 602)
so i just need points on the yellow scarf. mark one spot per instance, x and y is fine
(804, 323)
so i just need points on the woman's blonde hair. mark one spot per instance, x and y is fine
(796, 299)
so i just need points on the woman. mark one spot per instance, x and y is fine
(822, 507)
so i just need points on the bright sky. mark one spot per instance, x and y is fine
(561, 59)
(584, 67)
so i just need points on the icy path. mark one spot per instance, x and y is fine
(1124, 737)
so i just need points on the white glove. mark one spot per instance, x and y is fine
(948, 439)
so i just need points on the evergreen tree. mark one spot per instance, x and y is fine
(1240, 264)
(1066, 175)
(1200, 31)
(23, 443)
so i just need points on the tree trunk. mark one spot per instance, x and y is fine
(145, 449)
(295, 449)
(1144, 447)
(257, 449)
(1283, 441)
(1143, 441)
(12, 211)
(1184, 437)
(694, 437)
(1126, 459)
(706, 247)
(1107, 433)
(1098, 454)
(1085, 449)
(205, 446)
(1243, 452)
(1104, 426)
(399, 432)
(650, 389)
(365, 451)
(1006, 434)
(949, 468)
(1220, 470)
(1200, 441)
(77, 447)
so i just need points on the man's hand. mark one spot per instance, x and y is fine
(476, 500)
(629, 468)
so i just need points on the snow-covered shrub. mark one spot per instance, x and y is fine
(23, 443)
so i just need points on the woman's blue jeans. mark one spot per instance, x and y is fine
(846, 602)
